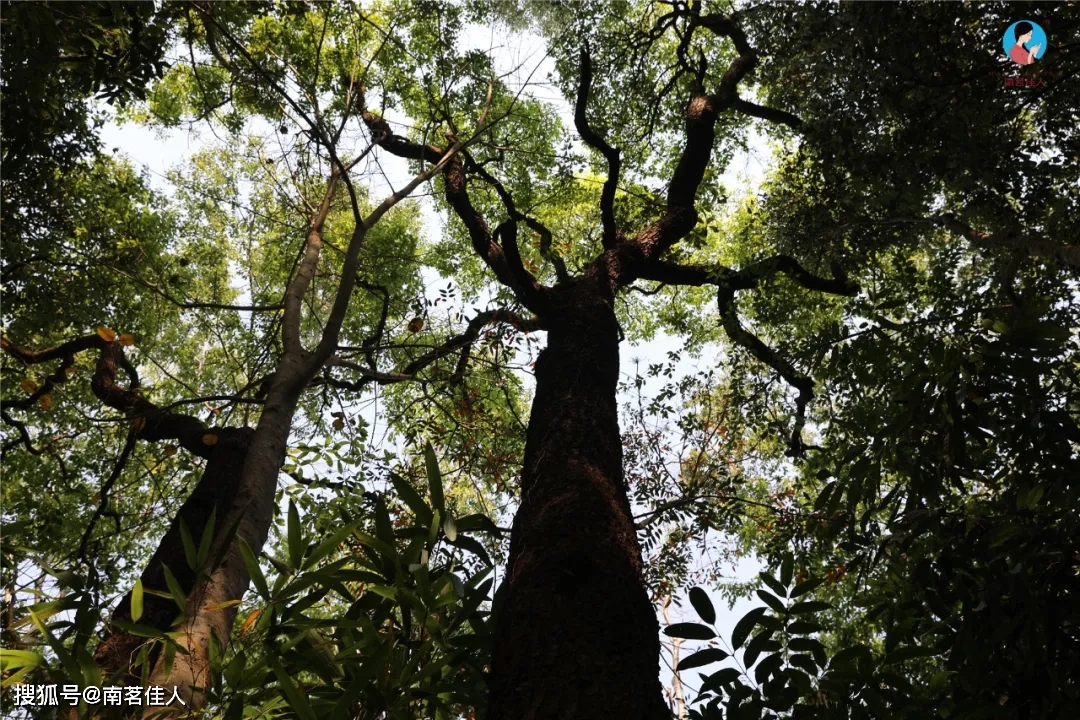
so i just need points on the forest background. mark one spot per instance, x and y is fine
(278, 430)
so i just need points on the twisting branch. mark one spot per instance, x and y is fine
(750, 276)
(103, 502)
(153, 423)
(729, 318)
(728, 281)
(598, 143)
(546, 250)
(411, 371)
(367, 346)
(739, 69)
(511, 274)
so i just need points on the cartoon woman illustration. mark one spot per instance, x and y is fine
(1019, 53)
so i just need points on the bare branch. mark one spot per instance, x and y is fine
(462, 341)
(805, 386)
(598, 143)
(767, 113)
(524, 285)
(546, 250)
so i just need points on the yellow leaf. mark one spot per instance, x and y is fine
(28, 385)
(339, 424)
(45, 402)
(250, 621)
(170, 450)
(223, 605)
(106, 334)
(138, 424)
(127, 339)
(209, 439)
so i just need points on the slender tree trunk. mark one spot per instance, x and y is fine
(209, 612)
(575, 634)
(214, 495)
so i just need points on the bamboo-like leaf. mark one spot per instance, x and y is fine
(330, 544)
(137, 600)
(297, 700)
(175, 589)
(411, 498)
(207, 538)
(295, 536)
(434, 475)
(191, 555)
(253, 568)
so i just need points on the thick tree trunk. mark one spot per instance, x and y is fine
(575, 634)
(215, 494)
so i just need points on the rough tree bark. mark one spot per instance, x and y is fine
(577, 635)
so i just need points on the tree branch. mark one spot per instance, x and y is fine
(462, 341)
(598, 143)
(546, 251)
(154, 424)
(730, 320)
(767, 113)
(514, 276)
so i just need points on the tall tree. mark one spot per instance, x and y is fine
(894, 310)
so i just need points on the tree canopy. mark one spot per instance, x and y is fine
(457, 356)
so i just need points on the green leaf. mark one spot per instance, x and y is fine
(175, 588)
(702, 605)
(720, 678)
(472, 545)
(253, 568)
(806, 662)
(207, 538)
(803, 627)
(806, 586)
(434, 475)
(768, 667)
(849, 655)
(191, 555)
(809, 606)
(757, 645)
(412, 499)
(771, 600)
(744, 627)
(137, 600)
(450, 528)
(689, 631)
(138, 630)
(702, 657)
(899, 655)
(810, 645)
(787, 570)
(775, 585)
(296, 538)
(330, 544)
(297, 700)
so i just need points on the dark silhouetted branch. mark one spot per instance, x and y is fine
(594, 140)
